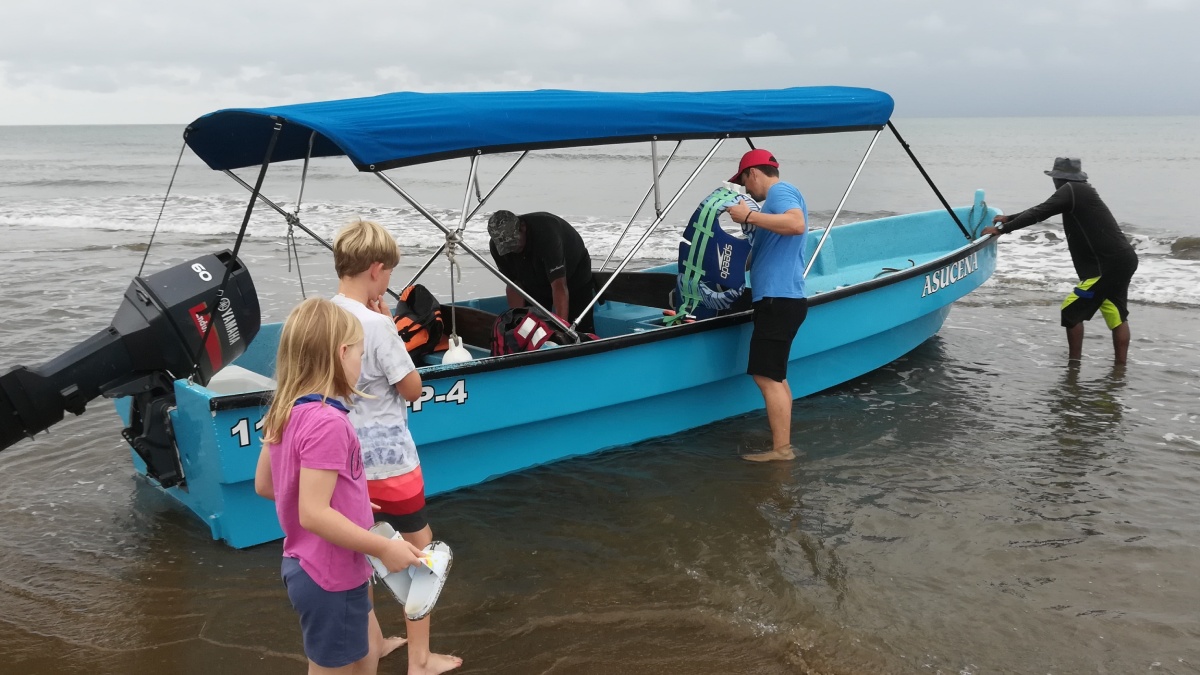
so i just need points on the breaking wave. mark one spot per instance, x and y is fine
(1034, 259)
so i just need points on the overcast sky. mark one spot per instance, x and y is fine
(142, 61)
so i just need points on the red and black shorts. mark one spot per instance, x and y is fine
(776, 321)
(401, 500)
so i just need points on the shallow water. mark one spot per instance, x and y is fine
(976, 507)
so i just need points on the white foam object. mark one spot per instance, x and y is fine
(457, 353)
(419, 586)
(233, 379)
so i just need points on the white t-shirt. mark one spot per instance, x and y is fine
(381, 422)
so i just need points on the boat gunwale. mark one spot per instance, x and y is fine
(248, 399)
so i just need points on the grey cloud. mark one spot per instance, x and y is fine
(935, 56)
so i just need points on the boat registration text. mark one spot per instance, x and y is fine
(950, 274)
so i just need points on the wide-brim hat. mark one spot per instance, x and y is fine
(505, 230)
(1067, 168)
(756, 157)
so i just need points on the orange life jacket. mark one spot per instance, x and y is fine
(419, 321)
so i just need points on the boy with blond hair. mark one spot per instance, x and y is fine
(364, 254)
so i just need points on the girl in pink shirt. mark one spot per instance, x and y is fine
(311, 465)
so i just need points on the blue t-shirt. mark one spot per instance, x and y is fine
(777, 262)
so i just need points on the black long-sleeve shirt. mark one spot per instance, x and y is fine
(553, 250)
(1094, 239)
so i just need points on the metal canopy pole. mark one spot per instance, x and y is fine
(654, 174)
(492, 268)
(233, 260)
(462, 217)
(426, 266)
(453, 239)
(930, 181)
(650, 230)
(639, 207)
(842, 203)
(291, 218)
(312, 138)
(482, 200)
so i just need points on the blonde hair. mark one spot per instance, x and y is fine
(309, 359)
(360, 244)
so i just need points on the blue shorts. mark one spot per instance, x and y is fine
(335, 625)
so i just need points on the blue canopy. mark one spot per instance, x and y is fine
(405, 128)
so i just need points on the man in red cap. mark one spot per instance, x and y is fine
(777, 237)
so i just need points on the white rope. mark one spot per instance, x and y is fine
(452, 240)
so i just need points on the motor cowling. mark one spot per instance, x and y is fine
(187, 321)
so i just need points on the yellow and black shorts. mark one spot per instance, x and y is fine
(1108, 293)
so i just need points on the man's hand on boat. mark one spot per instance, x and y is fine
(993, 230)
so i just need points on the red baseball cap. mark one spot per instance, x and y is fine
(756, 157)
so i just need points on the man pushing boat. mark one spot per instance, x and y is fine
(777, 236)
(1104, 259)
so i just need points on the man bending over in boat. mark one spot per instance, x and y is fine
(545, 256)
(777, 286)
(1104, 259)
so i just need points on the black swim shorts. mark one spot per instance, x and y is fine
(407, 523)
(776, 321)
(1108, 293)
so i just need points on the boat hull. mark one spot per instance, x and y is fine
(481, 420)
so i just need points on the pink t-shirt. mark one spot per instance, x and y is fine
(319, 436)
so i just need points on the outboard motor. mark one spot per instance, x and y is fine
(187, 321)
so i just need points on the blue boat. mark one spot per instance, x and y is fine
(878, 289)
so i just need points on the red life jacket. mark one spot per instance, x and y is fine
(520, 329)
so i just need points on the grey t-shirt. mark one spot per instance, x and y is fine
(382, 421)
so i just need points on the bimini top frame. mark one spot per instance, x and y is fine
(406, 128)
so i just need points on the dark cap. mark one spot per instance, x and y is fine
(505, 229)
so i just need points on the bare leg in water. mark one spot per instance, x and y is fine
(1120, 338)
(381, 646)
(1075, 342)
(421, 661)
(778, 397)
(369, 664)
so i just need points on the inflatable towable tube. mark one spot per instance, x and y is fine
(712, 262)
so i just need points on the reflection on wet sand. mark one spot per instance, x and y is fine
(965, 509)
(1086, 415)
(1083, 436)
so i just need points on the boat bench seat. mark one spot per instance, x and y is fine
(622, 318)
(651, 289)
(474, 327)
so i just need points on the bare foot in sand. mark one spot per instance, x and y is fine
(436, 663)
(392, 644)
(781, 454)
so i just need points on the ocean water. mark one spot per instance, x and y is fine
(975, 507)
